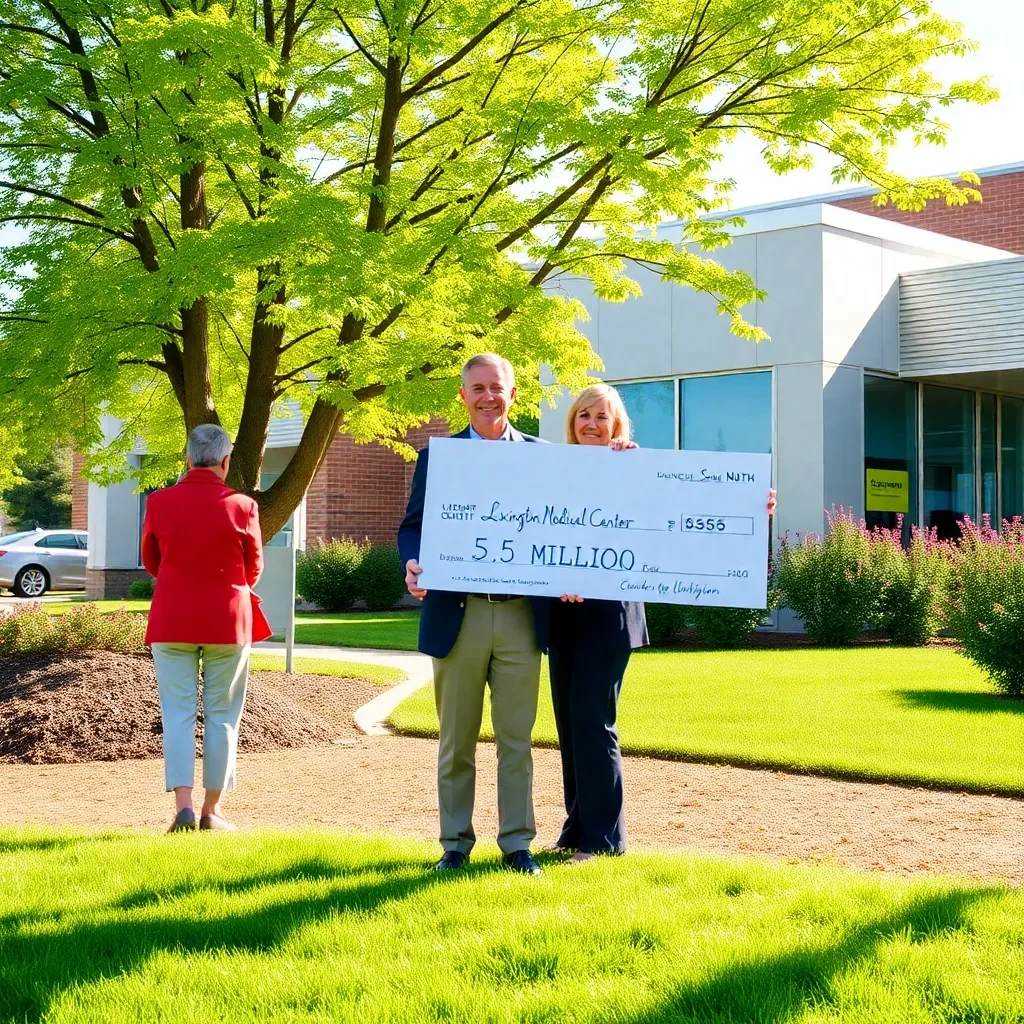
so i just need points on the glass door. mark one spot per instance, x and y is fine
(948, 449)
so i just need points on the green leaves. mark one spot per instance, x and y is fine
(363, 194)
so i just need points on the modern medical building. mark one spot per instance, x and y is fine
(893, 381)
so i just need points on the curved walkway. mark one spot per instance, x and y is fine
(371, 718)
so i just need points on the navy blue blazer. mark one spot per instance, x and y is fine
(609, 625)
(444, 610)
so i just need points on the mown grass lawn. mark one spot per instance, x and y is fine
(106, 607)
(396, 631)
(383, 631)
(383, 675)
(911, 715)
(322, 927)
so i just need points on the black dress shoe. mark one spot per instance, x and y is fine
(184, 821)
(521, 861)
(451, 861)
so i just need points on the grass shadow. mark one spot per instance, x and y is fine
(958, 700)
(42, 957)
(42, 844)
(779, 988)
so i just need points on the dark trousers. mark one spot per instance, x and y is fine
(585, 685)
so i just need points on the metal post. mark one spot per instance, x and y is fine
(289, 628)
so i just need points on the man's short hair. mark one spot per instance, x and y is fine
(490, 359)
(208, 445)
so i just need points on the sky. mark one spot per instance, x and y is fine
(979, 137)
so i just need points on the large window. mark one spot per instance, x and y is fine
(890, 453)
(728, 413)
(989, 453)
(1013, 457)
(652, 412)
(949, 469)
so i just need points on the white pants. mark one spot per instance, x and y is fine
(225, 674)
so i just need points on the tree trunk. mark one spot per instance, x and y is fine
(281, 500)
(260, 392)
(195, 319)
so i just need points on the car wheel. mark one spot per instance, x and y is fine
(31, 582)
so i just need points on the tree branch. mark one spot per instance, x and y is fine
(358, 43)
(42, 193)
(69, 220)
(463, 51)
(56, 40)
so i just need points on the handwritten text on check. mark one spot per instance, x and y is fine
(642, 525)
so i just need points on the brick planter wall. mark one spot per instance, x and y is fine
(107, 584)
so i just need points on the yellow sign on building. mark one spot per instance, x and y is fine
(888, 490)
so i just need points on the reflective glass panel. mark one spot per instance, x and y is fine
(728, 413)
(948, 432)
(1013, 457)
(890, 444)
(989, 460)
(652, 412)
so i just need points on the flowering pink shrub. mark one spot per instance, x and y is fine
(985, 606)
(828, 580)
(912, 583)
(28, 629)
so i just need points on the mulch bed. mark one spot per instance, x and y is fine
(103, 706)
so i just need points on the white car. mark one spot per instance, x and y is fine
(35, 561)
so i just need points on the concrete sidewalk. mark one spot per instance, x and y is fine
(371, 718)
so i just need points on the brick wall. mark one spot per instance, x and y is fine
(108, 584)
(997, 221)
(79, 494)
(362, 489)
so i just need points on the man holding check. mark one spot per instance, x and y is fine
(478, 640)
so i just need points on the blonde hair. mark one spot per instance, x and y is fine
(588, 397)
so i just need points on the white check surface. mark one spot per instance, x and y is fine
(642, 525)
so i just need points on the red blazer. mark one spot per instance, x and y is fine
(202, 542)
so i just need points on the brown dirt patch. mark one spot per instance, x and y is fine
(389, 784)
(102, 706)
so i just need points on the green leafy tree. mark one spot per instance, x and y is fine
(224, 207)
(41, 496)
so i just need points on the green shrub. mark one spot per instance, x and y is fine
(142, 589)
(985, 607)
(325, 575)
(724, 628)
(28, 629)
(665, 622)
(828, 582)
(380, 579)
(911, 584)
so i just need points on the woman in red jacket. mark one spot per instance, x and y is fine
(202, 542)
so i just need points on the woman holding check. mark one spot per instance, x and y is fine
(590, 645)
(589, 648)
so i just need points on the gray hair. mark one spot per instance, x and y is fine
(491, 359)
(208, 445)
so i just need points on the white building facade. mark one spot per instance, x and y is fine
(893, 381)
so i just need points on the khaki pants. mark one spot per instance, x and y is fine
(497, 646)
(225, 674)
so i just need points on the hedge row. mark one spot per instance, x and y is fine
(29, 629)
(335, 574)
(854, 578)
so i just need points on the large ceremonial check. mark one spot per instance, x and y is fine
(674, 527)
